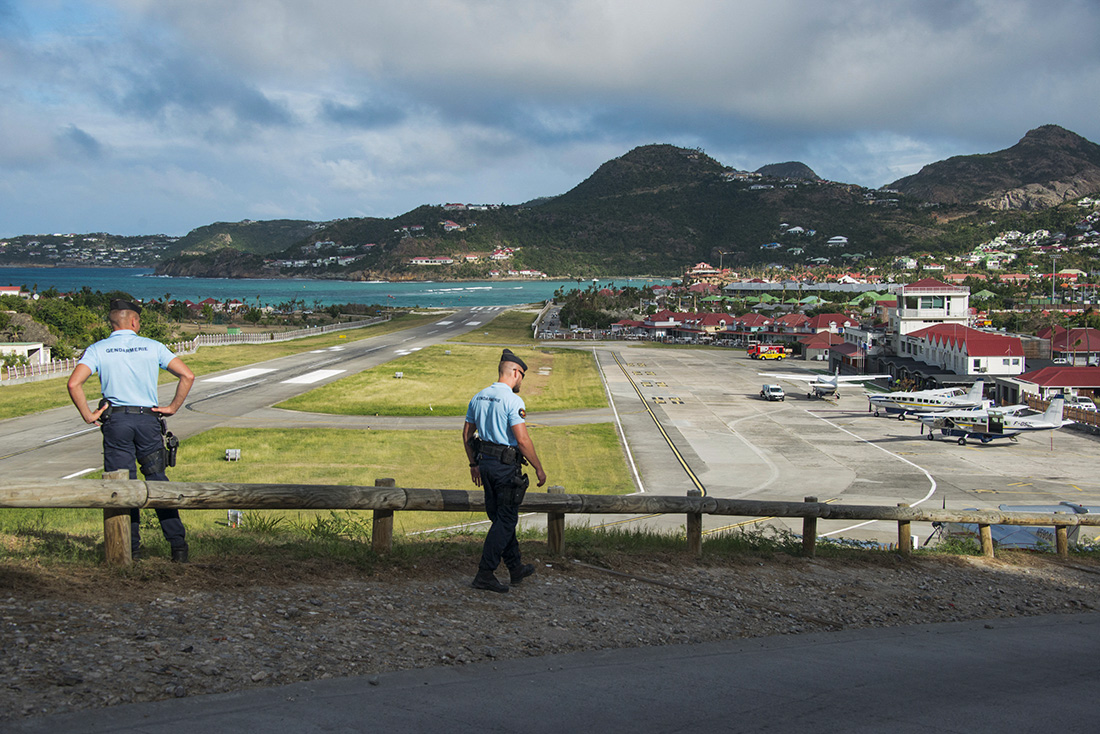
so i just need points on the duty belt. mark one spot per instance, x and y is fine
(506, 454)
(132, 409)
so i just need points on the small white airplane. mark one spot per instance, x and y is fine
(928, 401)
(991, 423)
(822, 385)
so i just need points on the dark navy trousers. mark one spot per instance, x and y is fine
(502, 500)
(126, 436)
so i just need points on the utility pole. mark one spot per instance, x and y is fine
(1053, 276)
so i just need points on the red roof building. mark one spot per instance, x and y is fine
(1060, 380)
(965, 351)
(1079, 344)
(831, 322)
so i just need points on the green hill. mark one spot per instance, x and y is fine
(260, 238)
(659, 209)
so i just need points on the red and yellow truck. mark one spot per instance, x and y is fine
(767, 351)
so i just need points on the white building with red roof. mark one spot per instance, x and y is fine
(964, 351)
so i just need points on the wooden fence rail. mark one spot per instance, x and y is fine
(113, 494)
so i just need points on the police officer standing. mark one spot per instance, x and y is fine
(131, 421)
(496, 455)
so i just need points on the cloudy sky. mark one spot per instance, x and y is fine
(147, 116)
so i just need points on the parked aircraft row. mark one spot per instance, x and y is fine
(953, 411)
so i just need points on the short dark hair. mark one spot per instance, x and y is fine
(119, 304)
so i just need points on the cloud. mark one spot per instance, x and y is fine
(350, 107)
(75, 141)
(364, 114)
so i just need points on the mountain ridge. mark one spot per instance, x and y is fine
(1048, 166)
(659, 208)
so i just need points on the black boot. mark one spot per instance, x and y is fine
(520, 572)
(179, 555)
(487, 580)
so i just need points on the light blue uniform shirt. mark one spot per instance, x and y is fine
(128, 366)
(494, 411)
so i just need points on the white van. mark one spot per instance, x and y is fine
(772, 392)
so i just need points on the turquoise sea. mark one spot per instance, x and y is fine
(141, 283)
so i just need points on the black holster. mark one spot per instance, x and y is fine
(519, 487)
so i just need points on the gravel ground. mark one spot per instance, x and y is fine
(70, 643)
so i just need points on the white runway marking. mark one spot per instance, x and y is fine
(70, 435)
(81, 473)
(311, 377)
(242, 375)
(925, 498)
(444, 323)
(473, 323)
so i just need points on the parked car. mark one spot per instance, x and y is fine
(772, 392)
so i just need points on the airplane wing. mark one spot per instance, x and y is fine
(859, 378)
(791, 376)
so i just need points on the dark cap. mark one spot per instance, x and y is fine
(118, 304)
(507, 356)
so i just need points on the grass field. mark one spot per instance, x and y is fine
(436, 382)
(17, 400)
(510, 328)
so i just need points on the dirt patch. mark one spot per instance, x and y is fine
(85, 638)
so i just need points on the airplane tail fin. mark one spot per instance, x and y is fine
(976, 392)
(1053, 413)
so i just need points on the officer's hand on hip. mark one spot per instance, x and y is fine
(166, 410)
(96, 415)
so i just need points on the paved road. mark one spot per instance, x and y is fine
(1034, 674)
(56, 443)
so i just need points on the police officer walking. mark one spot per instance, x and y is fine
(501, 446)
(131, 422)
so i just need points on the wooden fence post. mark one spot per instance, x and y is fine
(116, 529)
(381, 533)
(987, 540)
(809, 532)
(905, 539)
(695, 528)
(1061, 540)
(555, 525)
